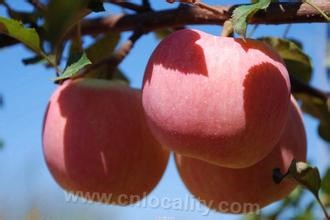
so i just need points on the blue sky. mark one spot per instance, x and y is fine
(25, 182)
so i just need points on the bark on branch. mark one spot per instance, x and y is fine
(277, 13)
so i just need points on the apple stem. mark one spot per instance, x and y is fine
(228, 29)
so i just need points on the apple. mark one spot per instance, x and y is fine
(97, 144)
(217, 99)
(248, 189)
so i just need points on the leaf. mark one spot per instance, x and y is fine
(1, 144)
(96, 5)
(306, 175)
(325, 186)
(74, 68)
(296, 42)
(103, 47)
(28, 36)
(297, 62)
(324, 130)
(15, 29)
(242, 13)
(61, 16)
(318, 109)
(38, 59)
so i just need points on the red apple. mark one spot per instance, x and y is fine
(96, 142)
(218, 99)
(247, 189)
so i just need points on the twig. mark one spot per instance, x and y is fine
(117, 57)
(146, 4)
(128, 5)
(291, 13)
(300, 87)
(199, 4)
(38, 5)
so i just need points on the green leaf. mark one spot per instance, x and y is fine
(306, 175)
(28, 36)
(96, 5)
(242, 13)
(103, 47)
(297, 62)
(75, 67)
(324, 130)
(38, 60)
(318, 109)
(61, 16)
(2, 144)
(325, 186)
(15, 29)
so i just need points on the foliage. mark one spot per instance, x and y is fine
(241, 15)
(297, 62)
(48, 29)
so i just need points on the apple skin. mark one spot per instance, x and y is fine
(218, 99)
(251, 185)
(96, 140)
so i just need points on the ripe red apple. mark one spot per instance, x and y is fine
(247, 189)
(96, 142)
(218, 99)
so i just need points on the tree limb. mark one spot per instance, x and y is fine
(277, 13)
(300, 87)
(116, 58)
(128, 5)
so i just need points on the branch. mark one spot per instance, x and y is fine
(38, 5)
(300, 87)
(277, 13)
(128, 5)
(118, 56)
